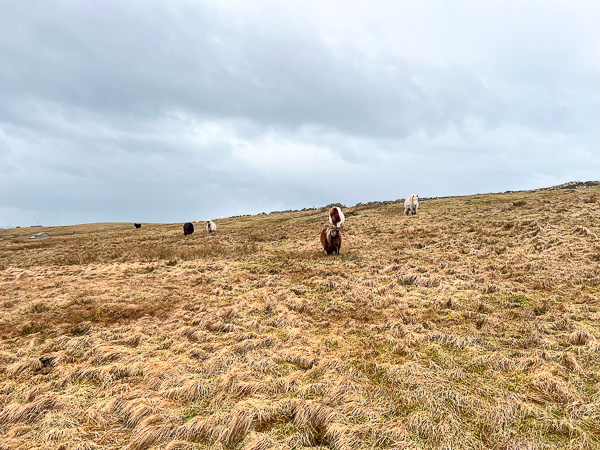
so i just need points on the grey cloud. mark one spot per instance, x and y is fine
(117, 62)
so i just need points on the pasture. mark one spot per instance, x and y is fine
(474, 324)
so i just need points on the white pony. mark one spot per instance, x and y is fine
(411, 204)
(211, 226)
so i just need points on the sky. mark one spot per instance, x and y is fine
(183, 110)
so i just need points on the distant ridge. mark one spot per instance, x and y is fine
(571, 185)
(567, 185)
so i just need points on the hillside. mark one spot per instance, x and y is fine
(474, 324)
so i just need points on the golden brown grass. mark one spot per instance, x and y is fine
(474, 324)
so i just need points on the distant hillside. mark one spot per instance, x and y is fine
(572, 185)
(568, 185)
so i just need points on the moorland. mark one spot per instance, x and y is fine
(473, 324)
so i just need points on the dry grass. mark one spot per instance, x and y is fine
(471, 325)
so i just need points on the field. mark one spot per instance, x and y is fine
(474, 324)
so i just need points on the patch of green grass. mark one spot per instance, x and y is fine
(269, 264)
(195, 409)
(284, 429)
(516, 301)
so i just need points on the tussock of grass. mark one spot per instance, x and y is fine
(580, 338)
(29, 412)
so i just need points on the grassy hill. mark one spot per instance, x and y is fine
(474, 324)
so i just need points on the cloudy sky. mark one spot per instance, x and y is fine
(169, 111)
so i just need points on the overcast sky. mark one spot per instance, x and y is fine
(169, 111)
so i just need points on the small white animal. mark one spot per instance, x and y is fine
(211, 226)
(411, 204)
(336, 217)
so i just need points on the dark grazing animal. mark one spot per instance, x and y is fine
(137, 225)
(331, 238)
(188, 228)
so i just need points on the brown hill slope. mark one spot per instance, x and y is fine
(474, 324)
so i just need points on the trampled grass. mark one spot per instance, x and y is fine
(474, 324)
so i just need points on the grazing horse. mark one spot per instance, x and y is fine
(411, 204)
(211, 226)
(336, 217)
(331, 238)
(188, 228)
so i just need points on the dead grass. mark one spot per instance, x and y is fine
(471, 325)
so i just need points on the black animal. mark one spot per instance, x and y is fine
(188, 228)
(137, 225)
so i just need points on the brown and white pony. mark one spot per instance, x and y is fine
(336, 217)
(331, 238)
